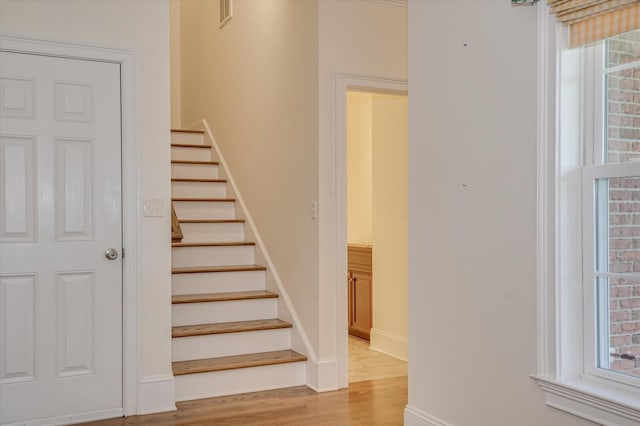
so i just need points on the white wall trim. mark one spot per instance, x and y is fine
(130, 184)
(335, 244)
(587, 401)
(302, 343)
(321, 374)
(74, 419)
(415, 417)
(546, 160)
(156, 394)
(389, 344)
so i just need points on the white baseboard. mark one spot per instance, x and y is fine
(72, 419)
(156, 394)
(389, 344)
(322, 375)
(415, 417)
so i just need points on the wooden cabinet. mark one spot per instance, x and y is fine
(360, 290)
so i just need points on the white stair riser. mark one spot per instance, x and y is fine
(243, 380)
(228, 344)
(217, 282)
(198, 189)
(212, 256)
(228, 311)
(204, 209)
(195, 171)
(187, 138)
(212, 232)
(190, 154)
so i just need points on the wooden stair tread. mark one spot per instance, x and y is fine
(228, 327)
(190, 145)
(214, 244)
(236, 361)
(187, 131)
(221, 200)
(211, 221)
(198, 180)
(230, 268)
(223, 297)
(193, 162)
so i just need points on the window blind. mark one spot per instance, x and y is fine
(593, 20)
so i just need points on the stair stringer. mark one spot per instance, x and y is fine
(299, 339)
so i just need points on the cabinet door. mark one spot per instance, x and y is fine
(360, 304)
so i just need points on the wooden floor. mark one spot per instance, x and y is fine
(375, 402)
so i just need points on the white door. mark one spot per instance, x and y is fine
(60, 210)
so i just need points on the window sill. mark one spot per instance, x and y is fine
(592, 400)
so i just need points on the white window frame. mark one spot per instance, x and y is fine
(590, 174)
(564, 341)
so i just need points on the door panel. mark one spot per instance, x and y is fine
(74, 207)
(18, 297)
(74, 323)
(18, 204)
(60, 209)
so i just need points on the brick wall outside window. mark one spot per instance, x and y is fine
(623, 131)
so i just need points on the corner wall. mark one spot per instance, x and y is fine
(390, 225)
(176, 64)
(472, 216)
(141, 26)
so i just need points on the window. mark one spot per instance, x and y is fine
(611, 208)
(589, 228)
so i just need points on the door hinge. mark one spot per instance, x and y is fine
(123, 252)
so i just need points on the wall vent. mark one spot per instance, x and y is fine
(226, 12)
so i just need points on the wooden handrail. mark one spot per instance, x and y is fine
(176, 230)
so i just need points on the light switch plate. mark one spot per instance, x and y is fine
(152, 207)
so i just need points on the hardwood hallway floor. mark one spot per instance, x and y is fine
(375, 402)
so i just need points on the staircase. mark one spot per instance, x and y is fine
(226, 335)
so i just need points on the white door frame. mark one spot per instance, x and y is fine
(344, 83)
(126, 60)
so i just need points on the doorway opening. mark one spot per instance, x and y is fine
(377, 246)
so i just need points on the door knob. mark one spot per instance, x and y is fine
(111, 254)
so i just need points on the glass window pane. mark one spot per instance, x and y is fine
(618, 219)
(623, 49)
(623, 116)
(619, 324)
(618, 252)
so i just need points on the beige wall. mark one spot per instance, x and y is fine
(472, 216)
(176, 64)
(143, 27)
(360, 167)
(256, 82)
(266, 84)
(390, 244)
